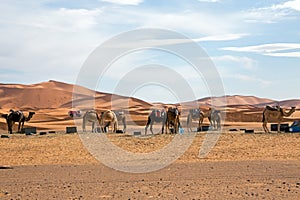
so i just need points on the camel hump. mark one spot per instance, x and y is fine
(158, 113)
(4, 116)
(119, 112)
(174, 110)
(272, 108)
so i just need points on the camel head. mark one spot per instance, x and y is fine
(289, 113)
(30, 116)
(293, 109)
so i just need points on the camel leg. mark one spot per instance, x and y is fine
(188, 123)
(278, 127)
(218, 123)
(19, 126)
(115, 127)
(200, 122)
(265, 123)
(9, 126)
(83, 124)
(147, 125)
(124, 125)
(93, 124)
(151, 128)
(162, 127)
(167, 127)
(176, 126)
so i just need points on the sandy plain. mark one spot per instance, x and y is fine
(58, 165)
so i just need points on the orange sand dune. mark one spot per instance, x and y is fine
(52, 100)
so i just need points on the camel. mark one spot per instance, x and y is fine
(277, 114)
(214, 117)
(195, 114)
(121, 118)
(16, 116)
(90, 116)
(156, 116)
(108, 118)
(173, 119)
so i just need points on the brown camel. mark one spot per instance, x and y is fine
(156, 116)
(16, 116)
(108, 118)
(277, 114)
(173, 120)
(90, 116)
(121, 118)
(195, 115)
(214, 117)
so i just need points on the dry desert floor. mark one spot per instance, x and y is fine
(240, 166)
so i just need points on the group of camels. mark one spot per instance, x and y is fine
(169, 119)
(105, 119)
(213, 115)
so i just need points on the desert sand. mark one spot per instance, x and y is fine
(58, 166)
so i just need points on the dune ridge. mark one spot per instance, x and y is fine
(54, 94)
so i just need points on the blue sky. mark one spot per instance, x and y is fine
(255, 45)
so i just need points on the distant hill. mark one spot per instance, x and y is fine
(251, 101)
(54, 94)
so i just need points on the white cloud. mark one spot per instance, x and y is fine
(210, 1)
(248, 78)
(273, 13)
(236, 61)
(264, 15)
(269, 49)
(124, 2)
(225, 37)
(287, 54)
(48, 43)
(188, 22)
(294, 5)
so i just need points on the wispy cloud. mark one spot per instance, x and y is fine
(287, 54)
(239, 62)
(249, 78)
(269, 49)
(273, 13)
(124, 2)
(225, 37)
(210, 1)
(294, 5)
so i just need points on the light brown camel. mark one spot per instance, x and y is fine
(121, 118)
(214, 117)
(277, 114)
(92, 117)
(108, 118)
(173, 119)
(195, 115)
(16, 116)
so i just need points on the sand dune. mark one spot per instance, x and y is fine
(52, 100)
(240, 165)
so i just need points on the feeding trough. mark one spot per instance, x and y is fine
(135, 133)
(203, 128)
(283, 127)
(72, 129)
(249, 131)
(28, 131)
